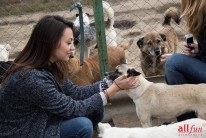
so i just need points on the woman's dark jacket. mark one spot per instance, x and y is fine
(34, 104)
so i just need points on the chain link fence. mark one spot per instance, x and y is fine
(132, 20)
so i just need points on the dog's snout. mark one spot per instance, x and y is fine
(106, 73)
(112, 75)
(157, 51)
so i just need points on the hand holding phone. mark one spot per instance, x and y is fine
(189, 40)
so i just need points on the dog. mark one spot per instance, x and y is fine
(160, 100)
(154, 44)
(185, 128)
(90, 31)
(89, 72)
(4, 52)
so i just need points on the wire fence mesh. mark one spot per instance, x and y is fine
(132, 20)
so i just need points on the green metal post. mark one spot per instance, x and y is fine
(100, 33)
(82, 46)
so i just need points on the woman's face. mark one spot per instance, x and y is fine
(65, 48)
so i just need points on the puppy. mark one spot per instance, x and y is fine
(161, 100)
(164, 131)
(90, 32)
(4, 52)
(154, 44)
(89, 72)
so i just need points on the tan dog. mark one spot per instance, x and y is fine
(161, 100)
(154, 44)
(89, 72)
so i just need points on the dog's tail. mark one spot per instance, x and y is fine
(110, 13)
(171, 13)
(102, 127)
(128, 45)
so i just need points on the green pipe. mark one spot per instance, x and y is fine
(100, 34)
(79, 6)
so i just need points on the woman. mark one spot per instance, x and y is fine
(36, 98)
(190, 66)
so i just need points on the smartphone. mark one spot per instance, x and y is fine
(189, 40)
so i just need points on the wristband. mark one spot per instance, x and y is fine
(107, 97)
(118, 86)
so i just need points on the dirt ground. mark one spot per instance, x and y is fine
(133, 18)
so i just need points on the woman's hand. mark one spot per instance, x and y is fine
(190, 49)
(164, 57)
(122, 83)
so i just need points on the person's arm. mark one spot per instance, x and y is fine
(82, 92)
(42, 91)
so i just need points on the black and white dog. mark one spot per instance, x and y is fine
(90, 31)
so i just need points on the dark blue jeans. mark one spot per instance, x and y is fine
(183, 69)
(80, 127)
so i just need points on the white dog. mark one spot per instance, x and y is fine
(90, 31)
(4, 52)
(161, 100)
(192, 128)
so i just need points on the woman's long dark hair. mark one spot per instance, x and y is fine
(44, 39)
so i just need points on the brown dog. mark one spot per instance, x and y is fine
(89, 72)
(154, 44)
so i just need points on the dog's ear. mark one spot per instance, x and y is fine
(77, 14)
(140, 42)
(163, 36)
(132, 72)
(87, 14)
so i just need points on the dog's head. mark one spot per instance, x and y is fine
(152, 44)
(86, 20)
(86, 23)
(123, 69)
